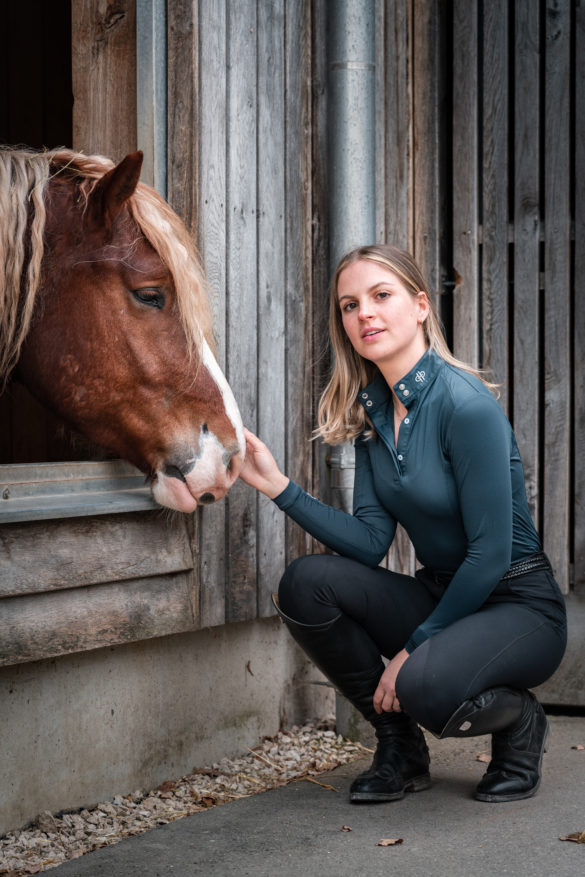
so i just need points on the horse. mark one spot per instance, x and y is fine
(105, 318)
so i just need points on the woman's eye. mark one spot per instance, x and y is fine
(382, 293)
(152, 298)
(346, 308)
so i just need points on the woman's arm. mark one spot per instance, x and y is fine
(364, 536)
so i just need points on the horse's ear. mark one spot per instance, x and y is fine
(114, 188)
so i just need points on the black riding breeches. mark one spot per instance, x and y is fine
(517, 638)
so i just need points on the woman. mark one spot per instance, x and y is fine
(483, 620)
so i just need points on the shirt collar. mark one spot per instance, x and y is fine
(408, 388)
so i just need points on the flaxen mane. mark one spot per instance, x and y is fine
(23, 178)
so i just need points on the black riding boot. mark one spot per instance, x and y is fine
(519, 730)
(344, 652)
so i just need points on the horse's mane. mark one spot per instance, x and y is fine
(24, 176)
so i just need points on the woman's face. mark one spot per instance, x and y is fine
(382, 319)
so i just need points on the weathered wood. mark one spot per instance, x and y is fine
(38, 626)
(397, 115)
(579, 299)
(212, 179)
(55, 555)
(271, 292)
(297, 280)
(557, 260)
(182, 103)
(426, 139)
(494, 293)
(104, 76)
(242, 290)
(526, 307)
(465, 175)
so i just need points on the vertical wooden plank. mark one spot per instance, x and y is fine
(242, 290)
(299, 408)
(465, 175)
(557, 328)
(426, 138)
(398, 171)
(271, 300)
(495, 195)
(526, 388)
(398, 115)
(320, 275)
(579, 302)
(182, 101)
(104, 76)
(212, 182)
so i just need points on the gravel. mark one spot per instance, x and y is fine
(301, 753)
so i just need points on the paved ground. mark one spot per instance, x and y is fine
(297, 830)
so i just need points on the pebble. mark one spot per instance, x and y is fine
(306, 750)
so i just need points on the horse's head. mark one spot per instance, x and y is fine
(120, 342)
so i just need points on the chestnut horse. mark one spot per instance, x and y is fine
(104, 316)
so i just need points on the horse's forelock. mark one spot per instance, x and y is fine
(167, 234)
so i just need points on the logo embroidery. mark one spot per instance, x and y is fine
(420, 376)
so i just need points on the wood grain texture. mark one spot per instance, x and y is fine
(557, 328)
(39, 626)
(212, 138)
(579, 299)
(55, 555)
(104, 76)
(397, 113)
(426, 140)
(526, 306)
(242, 250)
(465, 173)
(494, 294)
(271, 289)
(298, 288)
(182, 103)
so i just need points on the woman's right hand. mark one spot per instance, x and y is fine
(260, 469)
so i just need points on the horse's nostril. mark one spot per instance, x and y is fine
(206, 498)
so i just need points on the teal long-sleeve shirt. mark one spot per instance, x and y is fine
(454, 480)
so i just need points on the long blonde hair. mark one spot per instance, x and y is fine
(24, 176)
(341, 417)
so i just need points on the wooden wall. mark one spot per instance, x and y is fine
(518, 186)
(480, 165)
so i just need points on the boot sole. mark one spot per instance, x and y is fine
(519, 796)
(416, 784)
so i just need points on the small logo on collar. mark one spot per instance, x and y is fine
(420, 377)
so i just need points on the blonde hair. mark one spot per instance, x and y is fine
(341, 417)
(23, 178)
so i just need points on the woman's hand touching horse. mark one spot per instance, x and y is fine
(260, 469)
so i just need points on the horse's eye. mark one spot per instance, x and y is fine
(153, 298)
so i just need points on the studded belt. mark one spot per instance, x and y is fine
(528, 564)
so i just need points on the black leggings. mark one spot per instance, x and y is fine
(517, 638)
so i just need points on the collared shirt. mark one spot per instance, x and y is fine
(454, 480)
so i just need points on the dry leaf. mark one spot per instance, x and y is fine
(390, 841)
(579, 747)
(577, 837)
(483, 756)
(345, 828)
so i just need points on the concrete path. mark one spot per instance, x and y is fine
(297, 830)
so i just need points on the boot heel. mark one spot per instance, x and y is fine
(418, 784)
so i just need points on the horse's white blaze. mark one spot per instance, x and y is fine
(208, 473)
(230, 405)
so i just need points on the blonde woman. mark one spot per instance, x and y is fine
(483, 620)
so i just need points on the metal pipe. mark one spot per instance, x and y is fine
(351, 51)
(351, 48)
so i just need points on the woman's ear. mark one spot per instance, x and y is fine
(423, 306)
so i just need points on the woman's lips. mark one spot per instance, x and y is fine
(370, 333)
